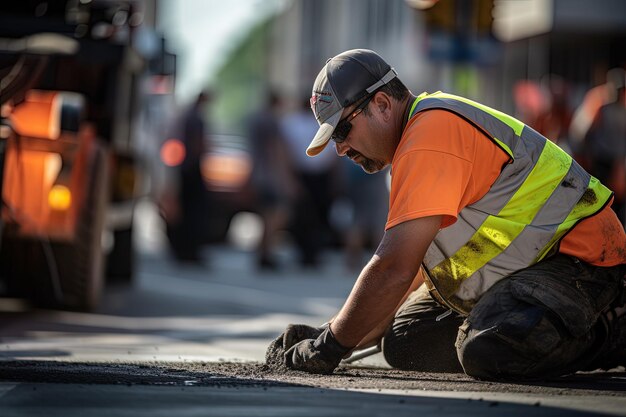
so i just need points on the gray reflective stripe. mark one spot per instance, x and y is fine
(449, 240)
(513, 175)
(470, 290)
(566, 195)
(493, 126)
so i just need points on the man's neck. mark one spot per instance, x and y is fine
(405, 107)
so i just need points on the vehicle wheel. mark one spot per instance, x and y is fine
(58, 274)
(80, 264)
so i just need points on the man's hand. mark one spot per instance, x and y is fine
(317, 356)
(275, 355)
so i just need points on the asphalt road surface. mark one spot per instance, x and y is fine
(191, 341)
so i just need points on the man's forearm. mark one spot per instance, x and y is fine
(375, 297)
(385, 279)
(374, 336)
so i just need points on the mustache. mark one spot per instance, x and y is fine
(352, 153)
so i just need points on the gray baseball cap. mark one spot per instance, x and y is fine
(344, 80)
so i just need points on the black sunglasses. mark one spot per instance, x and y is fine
(344, 126)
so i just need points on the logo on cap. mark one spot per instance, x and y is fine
(321, 101)
(325, 97)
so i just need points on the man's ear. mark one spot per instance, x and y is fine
(383, 104)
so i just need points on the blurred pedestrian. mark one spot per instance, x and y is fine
(318, 179)
(188, 228)
(545, 107)
(554, 122)
(605, 141)
(586, 112)
(272, 177)
(531, 102)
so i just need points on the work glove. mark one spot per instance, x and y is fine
(316, 356)
(293, 334)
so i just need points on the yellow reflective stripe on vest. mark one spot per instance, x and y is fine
(497, 233)
(512, 122)
(494, 235)
(586, 206)
(539, 185)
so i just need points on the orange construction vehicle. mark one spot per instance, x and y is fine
(70, 93)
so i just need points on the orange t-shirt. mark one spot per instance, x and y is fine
(443, 164)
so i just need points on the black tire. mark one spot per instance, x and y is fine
(81, 264)
(67, 275)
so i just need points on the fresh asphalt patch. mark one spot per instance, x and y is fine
(230, 374)
(238, 389)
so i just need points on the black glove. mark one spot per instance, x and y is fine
(316, 356)
(294, 333)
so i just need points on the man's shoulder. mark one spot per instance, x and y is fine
(431, 130)
(433, 118)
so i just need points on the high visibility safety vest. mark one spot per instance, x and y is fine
(537, 198)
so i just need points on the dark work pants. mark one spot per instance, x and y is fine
(539, 322)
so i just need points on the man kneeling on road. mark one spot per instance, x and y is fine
(501, 255)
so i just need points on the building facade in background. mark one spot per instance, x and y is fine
(480, 49)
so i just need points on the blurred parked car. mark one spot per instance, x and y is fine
(226, 169)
